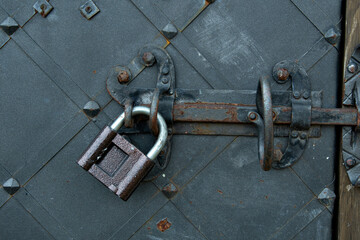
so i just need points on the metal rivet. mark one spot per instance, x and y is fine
(148, 58)
(350, 162)
(88, 9)
(165, 70)
(252, 116)
(283, 74)
(123, 77)
(43, 7)
(296, 95)
(303, 135)
(294, 134)
(306, 95)
(164, 80)
(352, 67)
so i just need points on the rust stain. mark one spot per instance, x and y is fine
(163, 225)
(219, 191)
(94, 72)
(261, 180)
(230, 110)
(266, 197)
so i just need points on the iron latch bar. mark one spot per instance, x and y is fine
(297, 113)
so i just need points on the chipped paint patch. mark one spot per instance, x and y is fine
(163, 225)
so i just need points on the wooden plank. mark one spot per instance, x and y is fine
(349, 197)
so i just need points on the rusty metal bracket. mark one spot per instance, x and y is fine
(300, 113)
(296, 114)
(162, 97)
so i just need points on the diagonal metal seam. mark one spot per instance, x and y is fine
(57, 151)
(292, 217)
(319, 9)
(139, 211)
(47, 212)
(143, 223)
(309, 188)
(309, 223)
(46, 73)
(298, 176)
(208, 163)
(338, 23)
(203, 72)
(187, 219)
(36, 221)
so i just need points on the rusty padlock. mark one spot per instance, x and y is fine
(116, 162)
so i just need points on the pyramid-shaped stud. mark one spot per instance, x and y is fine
(169, 190)
(91, 109)
(169, 31)
(11, 186)
(9, 26)
(326, 196)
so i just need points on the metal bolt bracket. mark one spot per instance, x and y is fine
(89, 9)
(43, 7)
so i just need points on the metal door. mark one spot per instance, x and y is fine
(54, 63)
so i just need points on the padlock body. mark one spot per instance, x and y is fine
(120, 165)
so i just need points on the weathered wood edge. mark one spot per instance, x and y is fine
(349, 198)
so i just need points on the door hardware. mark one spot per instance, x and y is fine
(102, 160)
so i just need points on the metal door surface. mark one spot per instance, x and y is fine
(54, 63)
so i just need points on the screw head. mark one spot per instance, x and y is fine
(350, 162)
(283, 74)
(252, 116)
(148, 58)
(352, 67)
(123, 77)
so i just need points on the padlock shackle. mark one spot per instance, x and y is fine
(163, 132)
